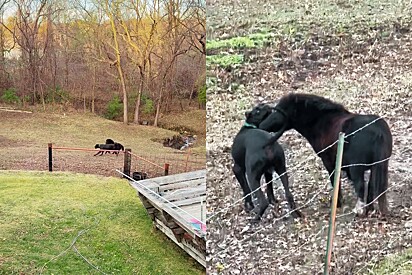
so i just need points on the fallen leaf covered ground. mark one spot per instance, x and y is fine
(355, 53)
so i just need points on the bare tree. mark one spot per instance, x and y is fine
(30, 17)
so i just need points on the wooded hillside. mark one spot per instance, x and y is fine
(123, 58)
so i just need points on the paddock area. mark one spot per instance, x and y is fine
(177, 206)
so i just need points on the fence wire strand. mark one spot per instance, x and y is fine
(312, 198)
(295, 168)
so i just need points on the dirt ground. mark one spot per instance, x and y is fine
(358, 54)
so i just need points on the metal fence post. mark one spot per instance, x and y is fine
(336, 183)
(50, 148)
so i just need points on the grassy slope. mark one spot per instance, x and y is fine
(42, 213)
(25, 137)
(81, 130)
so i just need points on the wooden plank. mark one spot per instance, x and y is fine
(171, 186)
(180, 177)
(189, 201)
(181, 218)
(195, 210)
(185, 193)
(150, 184)
(191, 249)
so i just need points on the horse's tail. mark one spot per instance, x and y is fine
(275, 137)
(379, 173)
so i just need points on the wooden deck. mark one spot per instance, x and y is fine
(177, 205)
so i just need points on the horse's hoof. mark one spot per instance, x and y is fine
(249, 206)
(256, 219)
(273, 201)
(359, 209)
(297, 214)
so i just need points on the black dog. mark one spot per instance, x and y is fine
(110, 145)
(104, 147)
(253, 159)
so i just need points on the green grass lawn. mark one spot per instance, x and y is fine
(43, 214)
(397, 265)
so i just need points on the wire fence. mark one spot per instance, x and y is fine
(85, 160)
(291, 171)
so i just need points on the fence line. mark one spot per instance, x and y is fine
(148, 161)
(303, 206)
(295, 167)
(313, 197)
(173, 162)
(84, 149)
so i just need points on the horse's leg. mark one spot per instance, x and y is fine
(379, 181)
(281, 171)
(332, 181)
(357, 177)
(269, 188)
(241, 178)
(370, 194)
(254, 177)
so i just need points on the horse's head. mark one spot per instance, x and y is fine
(276, 121)
(96, 146)
(258, 114)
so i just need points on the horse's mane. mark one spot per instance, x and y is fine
(312, 101)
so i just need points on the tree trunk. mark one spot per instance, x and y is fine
(158, 108)
(123, 85)
(138, 100)
(119, 65)
(93, 88)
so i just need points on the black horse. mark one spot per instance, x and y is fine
(251, 159)
(320, 120)
(117, 146)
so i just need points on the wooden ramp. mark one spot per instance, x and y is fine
(177, 205)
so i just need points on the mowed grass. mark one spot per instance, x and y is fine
(43, 214)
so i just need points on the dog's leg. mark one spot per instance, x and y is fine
(269, 188)
(241, 178)
(280, 169)
(254, 181)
